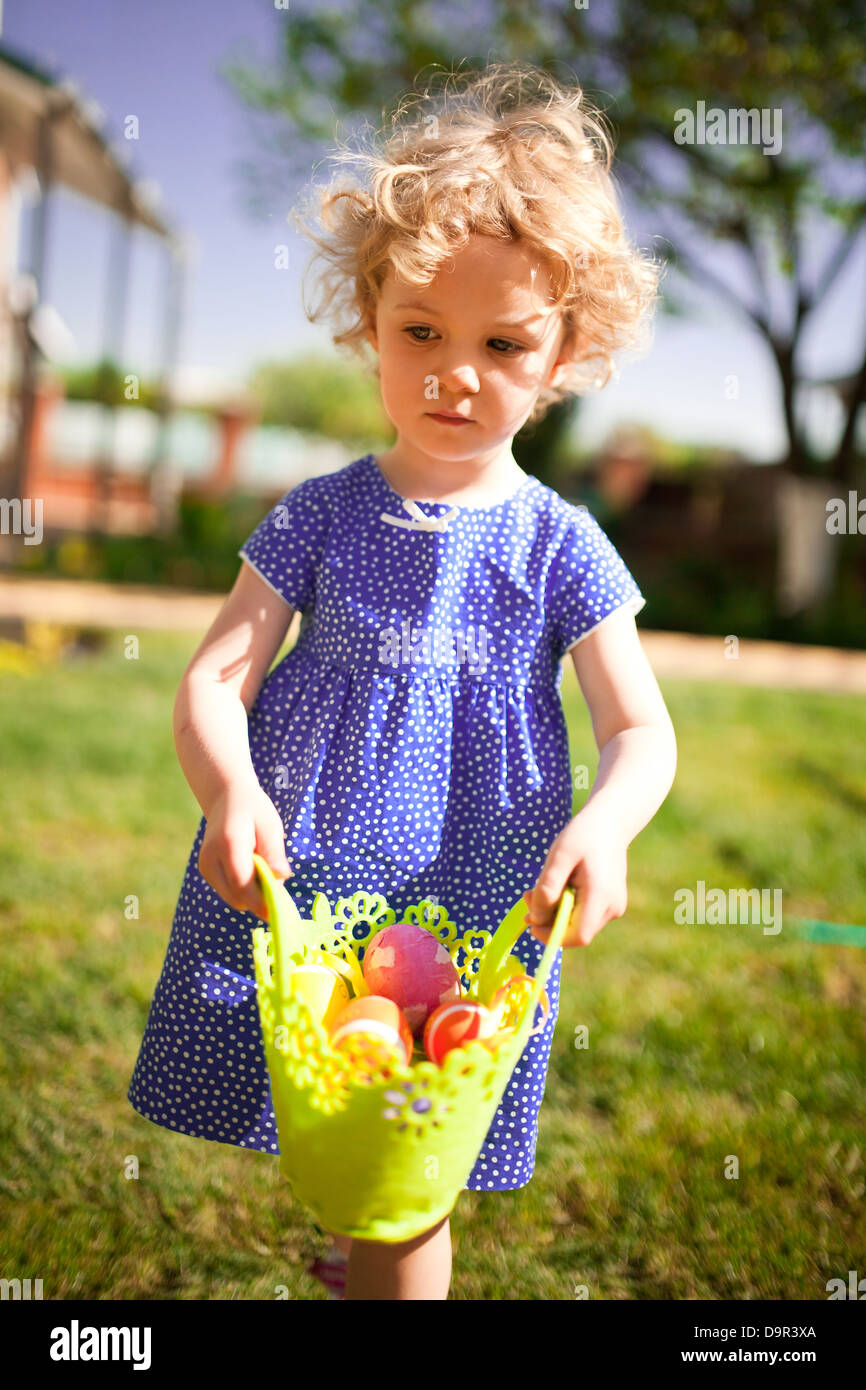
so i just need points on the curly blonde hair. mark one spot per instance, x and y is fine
(508, 152)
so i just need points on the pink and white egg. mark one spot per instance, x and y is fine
(408, 964)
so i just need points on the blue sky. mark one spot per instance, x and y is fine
(161, 62)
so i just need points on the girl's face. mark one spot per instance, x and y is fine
(480, 342)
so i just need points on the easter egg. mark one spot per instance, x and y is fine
(349, 969)
(508, 1002)
(374, 1030)
(455, 1024)
(323, 991)
(410, 965)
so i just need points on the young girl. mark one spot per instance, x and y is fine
(413, 742)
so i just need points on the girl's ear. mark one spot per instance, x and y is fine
(564, 358)
(573, 348)
(370, 327)
(558, 370)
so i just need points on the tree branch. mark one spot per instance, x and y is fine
(700, 272)
(842, 463)
(838, 259)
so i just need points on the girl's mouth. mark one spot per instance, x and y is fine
(451, 419)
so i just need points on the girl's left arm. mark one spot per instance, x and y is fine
(636, 768)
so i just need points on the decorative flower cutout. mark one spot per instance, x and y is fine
(434, 917)
(466, 954)
(362, 915)
(408, 1105)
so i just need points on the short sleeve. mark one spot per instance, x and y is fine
(587, 582)
(286, 547)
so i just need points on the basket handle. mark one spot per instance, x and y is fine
(499, 949)
(503, 942)
(285, 923)
(564, 909)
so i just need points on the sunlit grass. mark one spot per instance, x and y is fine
(705, 1044)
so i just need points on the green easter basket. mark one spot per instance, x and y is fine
(383, 1157)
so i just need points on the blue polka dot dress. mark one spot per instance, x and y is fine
(414, 743)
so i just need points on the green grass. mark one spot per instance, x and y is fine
(706, 1044)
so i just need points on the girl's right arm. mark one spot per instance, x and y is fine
(212, 740)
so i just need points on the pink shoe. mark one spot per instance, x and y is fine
(330, 1270)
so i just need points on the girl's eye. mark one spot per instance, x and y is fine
(507, 344)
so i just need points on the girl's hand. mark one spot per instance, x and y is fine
(242, 821)
(588, 856)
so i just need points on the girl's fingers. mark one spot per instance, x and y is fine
(591, 912)
(245, 898)
(271, 845)
(251, 899)
(236, 859)
(219, 883)
(589, 917)
(243, 881)
(543, 900)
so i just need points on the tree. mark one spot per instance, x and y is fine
(339, 65)
(314, 393)
(806, 63)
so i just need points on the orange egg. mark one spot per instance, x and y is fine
(373, 1031)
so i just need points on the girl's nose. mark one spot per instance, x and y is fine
(460, 378)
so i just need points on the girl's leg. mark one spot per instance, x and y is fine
(412, 1269)
(330, 1268)
(343, 1243)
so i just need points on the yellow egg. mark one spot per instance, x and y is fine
(324, 992)
(350, 970)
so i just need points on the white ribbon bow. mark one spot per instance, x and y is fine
(419, 521)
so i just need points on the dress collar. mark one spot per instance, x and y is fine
(420, 522)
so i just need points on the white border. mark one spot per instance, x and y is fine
(253, 566)
(632, 605)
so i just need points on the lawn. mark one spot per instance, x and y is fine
(707, 1044)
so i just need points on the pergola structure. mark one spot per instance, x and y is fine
(49, 128)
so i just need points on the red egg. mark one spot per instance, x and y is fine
(452, 1025)
(410, 965)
